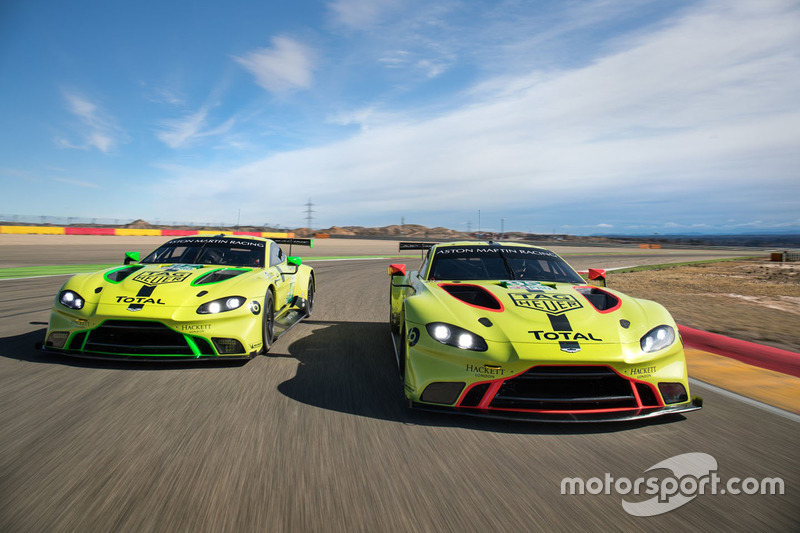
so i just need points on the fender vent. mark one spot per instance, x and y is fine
(473, 295)
(601, 300)
(215, 276)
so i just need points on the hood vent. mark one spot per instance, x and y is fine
(603, 301)
(215, 276)
(116, 276)
(473, 295)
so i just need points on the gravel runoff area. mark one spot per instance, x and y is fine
(751, 300)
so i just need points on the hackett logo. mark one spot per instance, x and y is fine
(161, 277)
(552, 304)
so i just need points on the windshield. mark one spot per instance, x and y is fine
(501, 263)
(215, 251)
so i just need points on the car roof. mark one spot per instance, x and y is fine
(222, 236)
(488, 243)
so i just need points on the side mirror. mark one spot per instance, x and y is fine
(295, 262)
(397, 270)
(597, 277)
(131, 257)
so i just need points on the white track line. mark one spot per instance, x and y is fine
(744, 399)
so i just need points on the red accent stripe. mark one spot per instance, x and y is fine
(610, 309)
(496, 384)
(178, 232)
(751, 353)
(88, 231)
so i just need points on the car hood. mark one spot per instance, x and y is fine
(165, 285)
(540, 313)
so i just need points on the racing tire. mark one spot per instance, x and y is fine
(268, 323)
(393, 325)
(309, 306)
(401, 356)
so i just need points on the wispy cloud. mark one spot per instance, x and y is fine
(286, 66)
(97, 128)
(702, 108)
(182, 132)
(78, 183)
(360, 14)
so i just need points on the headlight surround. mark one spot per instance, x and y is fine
(221, 305)
(71, 299)
(657, 339)
(455, 336)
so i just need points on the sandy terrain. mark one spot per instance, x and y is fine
(751, 300)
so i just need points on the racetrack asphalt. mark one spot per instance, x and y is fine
(315, 437)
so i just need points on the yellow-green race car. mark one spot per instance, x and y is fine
(195, 297)
(511, 330)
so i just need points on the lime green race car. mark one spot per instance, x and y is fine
(511, 330)
(196, 297)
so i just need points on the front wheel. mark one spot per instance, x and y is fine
(401, 356)
(268, 323)
(310, 297)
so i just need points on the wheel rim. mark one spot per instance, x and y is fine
(310, 300)
(269, 323)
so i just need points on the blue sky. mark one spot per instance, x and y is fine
(615, 116)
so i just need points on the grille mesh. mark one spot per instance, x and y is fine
(566, 388)
(137, 338)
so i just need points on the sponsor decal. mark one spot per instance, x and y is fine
(81, 323)
(184, 241)
(161, 277)
(530, 286)
(140, 300)
(255, 346)
(255, 307)
(476, 250)
(552, 304)
(563, 336)
(178, 267)
(195, 328)
(486, 371)
(413, 336)
(644, 372)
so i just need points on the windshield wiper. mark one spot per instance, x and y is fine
(510, 271)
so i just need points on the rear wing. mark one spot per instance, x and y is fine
(417, 245)
(291, 241)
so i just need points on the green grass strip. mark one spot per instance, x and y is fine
(687, 263)
(49, 270)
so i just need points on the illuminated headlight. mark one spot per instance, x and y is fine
(71, 299)
(455, 336)
(658, 339)
(221, 305)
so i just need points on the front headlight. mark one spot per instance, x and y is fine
(456, 336)
(71, 299)
(657, 339)
(220, 305)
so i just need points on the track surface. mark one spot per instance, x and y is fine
(315, 438)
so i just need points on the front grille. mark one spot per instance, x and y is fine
(136, 338)
(566, 388)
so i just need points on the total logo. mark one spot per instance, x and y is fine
(139, 300)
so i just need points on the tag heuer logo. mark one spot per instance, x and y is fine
(552, 304)
(159, 278)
